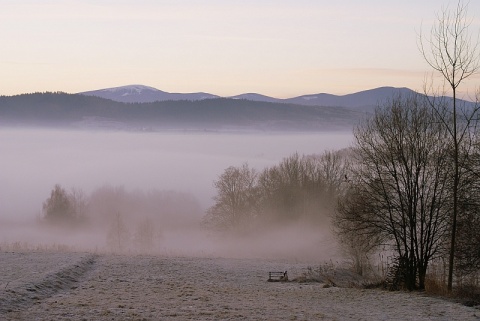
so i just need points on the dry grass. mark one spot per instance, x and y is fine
(468, 294)
(435, 281)
(466, 290)
(331, 274)
(29, 247)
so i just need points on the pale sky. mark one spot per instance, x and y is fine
(281, 48)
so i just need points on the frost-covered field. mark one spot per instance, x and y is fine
(81, 286)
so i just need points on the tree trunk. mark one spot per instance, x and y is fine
(455, 196)
(422, 272)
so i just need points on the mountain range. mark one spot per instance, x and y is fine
(145, 94)
(139, 107)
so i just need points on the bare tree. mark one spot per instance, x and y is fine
(302, 187)
(334, 167)
(287, 196)
(358, 238)
(235, 201)
(145, 234)
(118, 235)
(451, 51)
(467, 245)
(79, 204)
(399, 186)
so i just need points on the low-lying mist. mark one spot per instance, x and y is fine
(154, 171)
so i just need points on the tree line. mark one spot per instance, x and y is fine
(128, 220)
(299, 187)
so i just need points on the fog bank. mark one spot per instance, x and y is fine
(34, 160)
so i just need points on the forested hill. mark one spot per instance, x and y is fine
(81, 111)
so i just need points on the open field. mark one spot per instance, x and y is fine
(82, 286)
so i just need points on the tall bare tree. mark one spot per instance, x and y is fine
(452, 51)
(399, 186)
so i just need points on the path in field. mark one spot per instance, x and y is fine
(28, 278)
(155, 288)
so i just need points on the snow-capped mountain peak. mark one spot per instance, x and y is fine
(131, 89)
(143, 94)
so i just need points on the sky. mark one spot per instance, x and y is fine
(281, 48)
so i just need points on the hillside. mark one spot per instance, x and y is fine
(81, 111)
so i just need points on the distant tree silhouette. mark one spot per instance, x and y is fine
(299, 187)
(235, 199)
(58, 207)
(118, 235)
(145, 234)
(65, 208)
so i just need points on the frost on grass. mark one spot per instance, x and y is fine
(137, 287)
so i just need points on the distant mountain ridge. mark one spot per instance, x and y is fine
(217, 114)
(366, 98)
(194, 111)
(145, 94)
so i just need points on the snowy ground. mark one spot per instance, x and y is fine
(82, 286)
